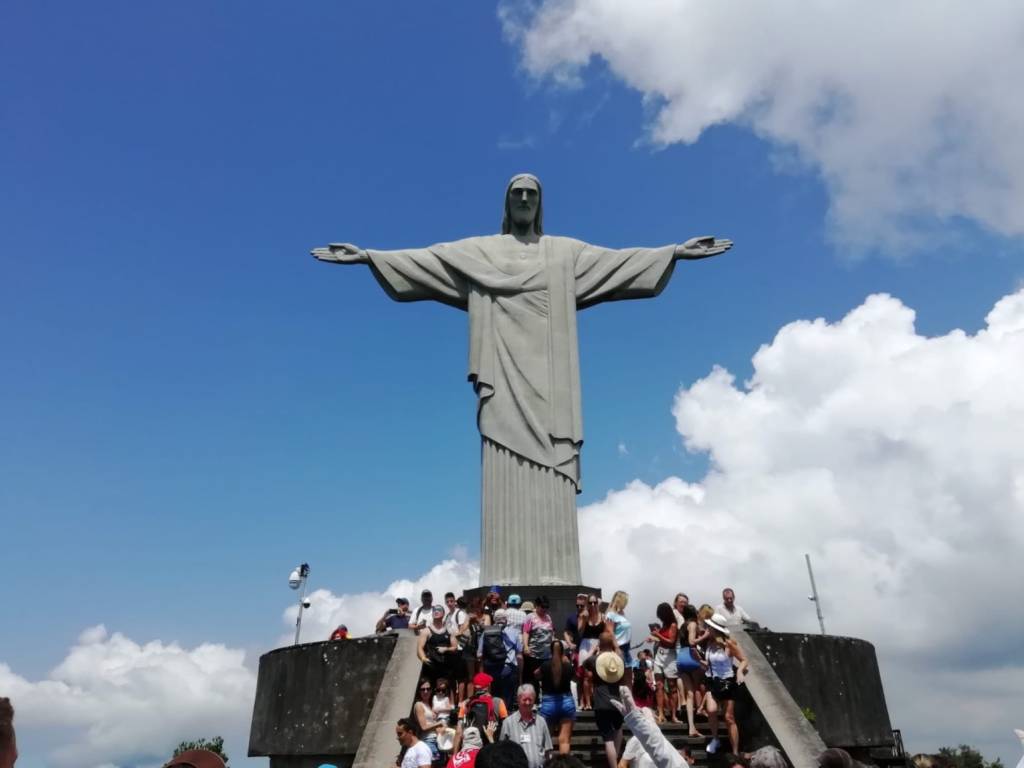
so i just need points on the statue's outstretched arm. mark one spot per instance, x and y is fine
(341, 253)
(702, 247)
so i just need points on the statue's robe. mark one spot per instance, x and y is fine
(524, 366)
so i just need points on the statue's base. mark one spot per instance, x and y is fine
(561, 596)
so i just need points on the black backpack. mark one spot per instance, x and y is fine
(494, 651)
(480, 711)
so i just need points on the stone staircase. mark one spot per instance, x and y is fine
(588, 746)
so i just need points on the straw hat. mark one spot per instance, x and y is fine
(609, 667)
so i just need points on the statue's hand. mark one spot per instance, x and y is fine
(702, 247)
(340, 253)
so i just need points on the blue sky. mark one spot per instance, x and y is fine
(191, 405)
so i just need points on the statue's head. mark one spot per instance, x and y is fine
(524, 204)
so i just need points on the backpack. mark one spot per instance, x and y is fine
(494, 650)
(479, 711)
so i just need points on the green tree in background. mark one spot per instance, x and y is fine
(216, 744)
(966, 756)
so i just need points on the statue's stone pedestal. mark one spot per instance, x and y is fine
(561, 596)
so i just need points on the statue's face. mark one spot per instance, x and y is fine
(523, 201)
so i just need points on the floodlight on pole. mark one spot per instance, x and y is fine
(813, 597)
(298, 579)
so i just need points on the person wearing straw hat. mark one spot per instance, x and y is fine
(727, 667)
(607, 669)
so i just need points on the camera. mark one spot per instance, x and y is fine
(306, 602)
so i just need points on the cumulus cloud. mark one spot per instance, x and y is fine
(907, 110)
(359, 611)
(112, 701)
(895, 461)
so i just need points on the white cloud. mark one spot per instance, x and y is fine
(895, 460)
(360, 611)
(907, 110)
(112, 701)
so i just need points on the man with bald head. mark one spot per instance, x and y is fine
(522, 289)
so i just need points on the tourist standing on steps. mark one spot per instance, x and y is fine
(617, 623)
(426, 720)
(665, 638)
(499, 651)
(515, 616)
(571, 633)
(734, 615)
(456, 618)
(680, 601)
(538, 634)
(493, 601)
(726, 676)
(592, 625)
(557, 705)
(607, 670)
(688, 663)
(704, 613)
(421, 616)
(417, 754)
(527, 729)
(442, 703)
(436, 647)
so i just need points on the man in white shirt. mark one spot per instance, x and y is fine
(734, 614)
(421, 616)
(417, 754)
(455, 618)
(527, 729)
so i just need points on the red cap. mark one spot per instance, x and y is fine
(482, 680)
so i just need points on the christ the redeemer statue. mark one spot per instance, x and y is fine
(522, 289)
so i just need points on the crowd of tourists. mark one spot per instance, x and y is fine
(499, 668)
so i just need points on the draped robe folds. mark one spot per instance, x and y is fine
(524, 367)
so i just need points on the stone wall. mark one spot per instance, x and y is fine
(313, 701)
(835, 677)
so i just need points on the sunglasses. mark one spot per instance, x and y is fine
(426, 688)
(593, 602)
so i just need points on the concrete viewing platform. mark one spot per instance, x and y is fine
(337, 702)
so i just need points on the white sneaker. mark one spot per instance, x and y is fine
(713, 746)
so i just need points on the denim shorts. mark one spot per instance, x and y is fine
(627, 657)
(557, 706)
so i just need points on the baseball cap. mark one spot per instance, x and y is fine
(515, 600)
(482, 680)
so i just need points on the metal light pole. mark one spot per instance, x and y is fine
(814, 595)
(298, 579)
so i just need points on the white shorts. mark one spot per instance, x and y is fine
(665, 663)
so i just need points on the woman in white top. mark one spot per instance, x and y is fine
(617, 623)
(727, 667)
(426, 719)
(441, 703)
